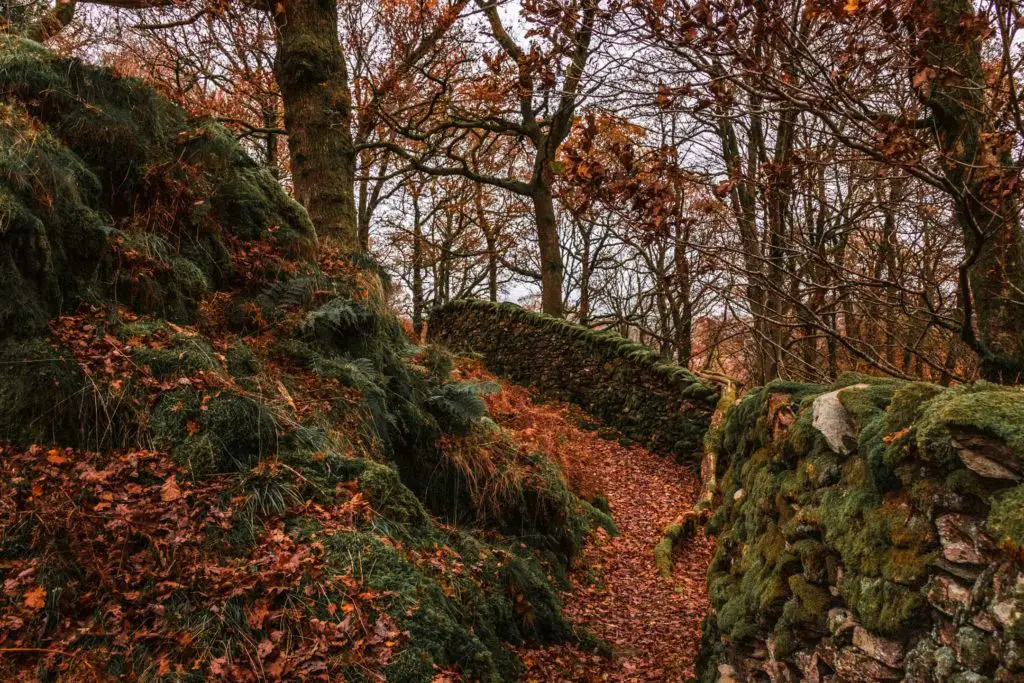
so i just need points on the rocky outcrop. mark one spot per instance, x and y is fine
(629, 386)
(869, 531)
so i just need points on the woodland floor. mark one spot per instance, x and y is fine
(652, 625)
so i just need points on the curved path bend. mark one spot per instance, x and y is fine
(653, 625)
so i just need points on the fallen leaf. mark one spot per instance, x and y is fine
(170, 492)
(35, 598)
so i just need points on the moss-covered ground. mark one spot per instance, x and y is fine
(221, 458)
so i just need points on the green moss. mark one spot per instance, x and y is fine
(241, 428)
(881, 605)
(734, 618)
(1006, 516)
(220, 433)
(53, 244)
(865, 404)
(44, 396)
(241, 361)
(982, 409)
(907, 405)
(808, 606)
(964, 481)
(812, 554)
(536, 605)
(85, 150)
(402, 514)
(171, 414)
(182, 358)
(463, 625)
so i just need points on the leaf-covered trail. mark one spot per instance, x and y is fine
(653, 625)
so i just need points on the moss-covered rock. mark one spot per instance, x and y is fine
(982, 409)
(99, 177)
(805, 527)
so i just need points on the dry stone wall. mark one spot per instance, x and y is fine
(869, 531)
(625, 384)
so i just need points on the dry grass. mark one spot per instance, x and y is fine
(537, 426)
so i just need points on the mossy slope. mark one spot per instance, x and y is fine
(246, 427)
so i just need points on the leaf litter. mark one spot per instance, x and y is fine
(651, 626)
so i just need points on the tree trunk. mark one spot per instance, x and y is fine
(492, 267)
(551, 267)
(490, 239)
(682, 306)
(584, 313)
(311, 74)
(363, 213)
(743, 196)
(977, 163)
(417, 268)
(270, 142)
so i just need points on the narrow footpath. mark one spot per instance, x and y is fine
(652, 625)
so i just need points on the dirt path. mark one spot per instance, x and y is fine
(653, 625)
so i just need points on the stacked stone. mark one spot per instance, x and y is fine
(948, 483)
(626, 385)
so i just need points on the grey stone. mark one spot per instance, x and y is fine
(945, 662)
(920, 661)
(852, 664)
(988, 457)
(888, 652)
(833, 421)
(1007, 612)
(948, 596)
(1012, 656)
(973, 647)
(989, 469)
(962, 540)
(969, 677)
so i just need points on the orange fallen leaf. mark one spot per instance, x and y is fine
(35, 598)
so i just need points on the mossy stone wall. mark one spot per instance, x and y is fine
(627, 385)
(869, 530)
